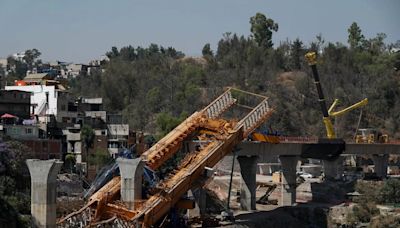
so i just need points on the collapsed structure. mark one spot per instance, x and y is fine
(216, 129)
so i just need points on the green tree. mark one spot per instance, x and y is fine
(113, 53)
(206, 51)
(262, 28)
(100, 158)
(166, 122)
(376, 45)
(14, 183)
(297, 53)
(87, 138)
(31, 57)
(355, 38)
(69, 163)
(18, 68)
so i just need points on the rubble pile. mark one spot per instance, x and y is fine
(69, 185)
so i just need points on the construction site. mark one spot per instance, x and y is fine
(222, 172)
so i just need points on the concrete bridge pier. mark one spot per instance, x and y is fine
(200, 196)
(44, 191)
(381, 164)
(333, 170)
(288, 191)
(131, 180)
(248, 170)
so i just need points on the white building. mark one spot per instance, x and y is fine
(43, 98)
(48, 100)
(117, 137)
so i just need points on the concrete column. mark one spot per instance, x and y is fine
(333, 170)
(288, 191)
(381, 164)
(248, 169)
(131, 180)
(43, 191)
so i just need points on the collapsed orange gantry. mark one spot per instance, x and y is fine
(219, 136)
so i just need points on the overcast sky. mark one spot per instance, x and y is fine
(81, 30)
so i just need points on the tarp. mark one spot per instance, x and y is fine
(6, 115)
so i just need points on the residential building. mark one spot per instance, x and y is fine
(74, 70)
(93, 108)
(48, 100)
(67, 108)
(73, 141)
(15, 102)
(18, 56)
(117, 137)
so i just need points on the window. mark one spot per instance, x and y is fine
(28, 131)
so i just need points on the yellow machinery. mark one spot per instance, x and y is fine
(218, 136)
(369, 135)
(328, 114)
(256, 136)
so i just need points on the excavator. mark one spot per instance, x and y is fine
(219, 127)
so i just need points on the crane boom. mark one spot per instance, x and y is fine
(311, 58)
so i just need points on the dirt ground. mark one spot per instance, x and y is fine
(314, 198)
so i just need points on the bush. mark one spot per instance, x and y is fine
(387, 221)
(363, 213)
(390, 192)
(70, 162)
(370, 191)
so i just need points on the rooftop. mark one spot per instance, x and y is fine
(36, 77)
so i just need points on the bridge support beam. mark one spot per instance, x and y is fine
(333, 170)
(131, 180)
(381, 164)
(44, 191)
(288, 191)
(248, 170)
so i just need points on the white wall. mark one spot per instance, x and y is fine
(39, 96)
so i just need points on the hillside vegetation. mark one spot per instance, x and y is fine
(155, 85)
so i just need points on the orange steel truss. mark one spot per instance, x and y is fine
(218, 135)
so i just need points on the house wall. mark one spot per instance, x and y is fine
(44, 148)
(15, 102)
(21, 131)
